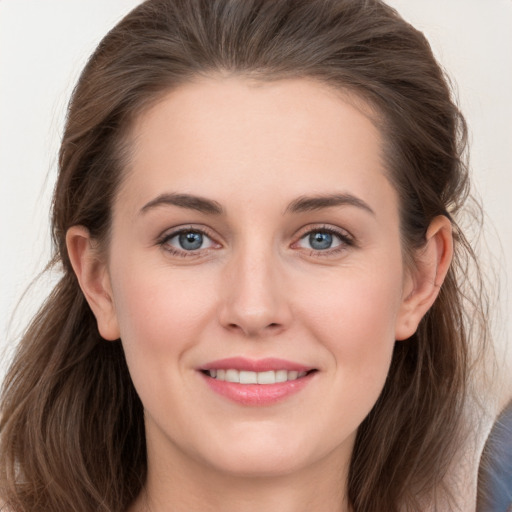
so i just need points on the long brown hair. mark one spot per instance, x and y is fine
(72, 429)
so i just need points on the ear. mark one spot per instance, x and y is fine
(92, 274)
(424, 280)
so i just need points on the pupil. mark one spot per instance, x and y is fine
(319, 241)
(191, 241)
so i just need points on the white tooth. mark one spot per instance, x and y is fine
(248, 377)
(232, 375)
(281, 376)
(267, 377)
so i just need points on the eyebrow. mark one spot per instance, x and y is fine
(299, 205)
(311, 203)
(188, 201)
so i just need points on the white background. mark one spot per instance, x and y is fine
(45, 43)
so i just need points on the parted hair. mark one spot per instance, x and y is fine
(71, 427)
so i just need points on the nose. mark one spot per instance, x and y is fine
(254, 299)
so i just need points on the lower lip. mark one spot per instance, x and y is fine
(257, 394)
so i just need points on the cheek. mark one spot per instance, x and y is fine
(160, 320)
(161, 316)
(153, 306)
(356, 322)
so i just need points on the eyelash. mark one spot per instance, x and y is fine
(164, 240)
(346, 241)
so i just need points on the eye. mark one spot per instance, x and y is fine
(187, 240)
(320, 240)
(324, 240)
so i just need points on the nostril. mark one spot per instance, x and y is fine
(273, 325)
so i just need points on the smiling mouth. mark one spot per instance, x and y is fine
(250, 377)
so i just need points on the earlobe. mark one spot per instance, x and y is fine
(91, 272)
(424, 281)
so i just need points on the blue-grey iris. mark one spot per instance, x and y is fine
(320, 240)
(191, 240)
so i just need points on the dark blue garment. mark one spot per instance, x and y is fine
(495, 473)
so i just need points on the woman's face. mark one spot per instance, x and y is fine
(256, 238)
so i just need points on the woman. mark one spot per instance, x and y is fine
(261, 302)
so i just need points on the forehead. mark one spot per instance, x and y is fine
(290, 136)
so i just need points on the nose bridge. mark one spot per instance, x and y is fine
(254, 301)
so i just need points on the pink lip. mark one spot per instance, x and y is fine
(255, 365)
(256, 394)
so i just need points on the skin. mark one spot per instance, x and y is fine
(256, 288)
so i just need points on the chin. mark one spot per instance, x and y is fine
(251, 464)
(263, 455)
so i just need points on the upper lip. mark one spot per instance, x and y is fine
(255, 365)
